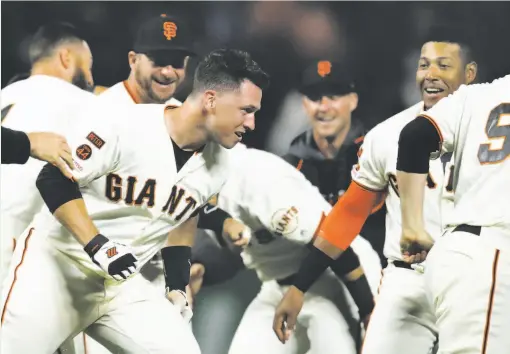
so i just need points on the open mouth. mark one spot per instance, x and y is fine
(433, 91)
(164, 82)
(239, 135)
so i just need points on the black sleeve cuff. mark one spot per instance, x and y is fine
(176, 266)
(346, 263)
(213, 220)
(417, 141)
(362, 295)
(15, 146)
(311, 269)
(55, 188)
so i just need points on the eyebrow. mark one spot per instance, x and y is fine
(251, 107)
(438, 58)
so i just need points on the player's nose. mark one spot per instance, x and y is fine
(249, 122)
(432, 73)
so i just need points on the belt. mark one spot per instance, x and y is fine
(402, 264)
(475, 230)
(287, 281)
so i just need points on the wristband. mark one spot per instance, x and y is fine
(95, 244)
(362, 295)
(176, 266)
(311, 269)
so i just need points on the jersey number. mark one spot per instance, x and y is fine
(495, 130)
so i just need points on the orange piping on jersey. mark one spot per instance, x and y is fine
(132, 94)
(375, 304)
(84, 343)
(491, 302)
(359, 139)
(16, 274)
(431, 120)
(299, 165)
(345, 221)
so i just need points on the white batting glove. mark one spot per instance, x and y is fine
(180, 300)
(114, 258)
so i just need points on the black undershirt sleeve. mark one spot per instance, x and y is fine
(55, 188)
(417, 141)
(15, 147)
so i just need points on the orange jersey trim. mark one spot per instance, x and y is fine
(348, 216)
(132, 94)
(16, 275)
(431, 120)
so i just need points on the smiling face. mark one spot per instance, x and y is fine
(441, 70)
(157, 75)
(329, 115)
(232, 113)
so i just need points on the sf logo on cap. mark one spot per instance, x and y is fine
(324, 68)
(169, 30)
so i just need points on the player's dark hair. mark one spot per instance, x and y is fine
(452, 34)
(225, 69)
(49, 37)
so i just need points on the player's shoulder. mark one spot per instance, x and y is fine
(496, 90)
(390, 128)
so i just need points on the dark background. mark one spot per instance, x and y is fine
(375, 40)
(378, 42)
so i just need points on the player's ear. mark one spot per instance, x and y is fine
(307, 105)
(470, 72)
(64, 55)
(210, 97)
(353, 101)
(132, 58)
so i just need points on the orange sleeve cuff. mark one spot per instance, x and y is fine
(347, 217)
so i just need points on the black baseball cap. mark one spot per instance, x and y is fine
(163, 35)
(326, 78)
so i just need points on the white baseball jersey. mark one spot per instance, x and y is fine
(376, 171)
(267, 193)
(38, 104)
(130, 182)
(120, 93)
(475, 123)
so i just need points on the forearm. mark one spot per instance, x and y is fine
(184, 235)
(64, 200)
(417, 141)
(336, 233)
(412, 193)
(74, 217)
(177, 255)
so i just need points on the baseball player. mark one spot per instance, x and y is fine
(161, 50)
(80, 270)
(44, 102)
(402, 320)
(283, 213)
(468, 269)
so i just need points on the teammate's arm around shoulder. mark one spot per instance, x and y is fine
(177, 264)
(95, 151)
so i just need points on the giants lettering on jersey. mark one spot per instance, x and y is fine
(179, 200)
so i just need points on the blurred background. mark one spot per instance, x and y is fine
(378, 42)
